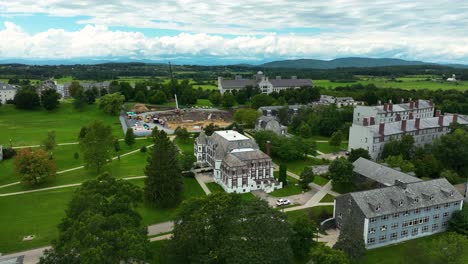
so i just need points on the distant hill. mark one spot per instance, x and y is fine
(340, 63)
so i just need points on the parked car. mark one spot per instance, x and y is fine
(281, 202)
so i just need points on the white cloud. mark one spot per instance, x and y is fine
(99, 41)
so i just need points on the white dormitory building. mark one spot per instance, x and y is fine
(373, 137)
(338, 101)
(390, 112)
(238, 164)
(7, 92)
(262, 81)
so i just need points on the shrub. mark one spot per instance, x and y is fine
(143, 149)
(8, 153)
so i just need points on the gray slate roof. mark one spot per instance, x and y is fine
(6, 86)
(239, 159)
(380, 173)
(404, 106)
(224, 146)
(415, 195)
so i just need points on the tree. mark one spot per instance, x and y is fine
(427, 166)
(34, 167)
(452, 151)
(307, 176)
(355, 154)
(182, 134)
(228, 100)
(336, 139)
(459, 222)
(283, 115)
(75, 89)
(79, 101)
(158, 97)
(232, 231)
(140, 97)
(322, 254)
(101, 225)
(210, 129)
(246, 117)
(302, 238)
(282, 176)
(341, 172)
(215, 98)
(399, 162)
(407, 146)
(26, 99)
(50, 99)
(49, 142)
(76, 155)
(446, 248)
(96, 145)
(451, 176)
(260, 100)
(351, 242)
(129, 137)
(163, 184)
(186, 161)
(90, 96)
(111, 103)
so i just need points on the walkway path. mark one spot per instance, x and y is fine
(202, 179)
(66, 144)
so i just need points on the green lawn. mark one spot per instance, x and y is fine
(328, 198)
(325, 147)
(204, 102)
(406, 252)
(156, 247)
(30, 127)
(39, 213)
(214, 188)
(313, 213)
(291, 189)
(297, 166)
(205, 86)
(320, 180)
(187, 146)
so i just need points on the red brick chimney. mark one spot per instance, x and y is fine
(372, 120)
(403, 125)
(390, 107)
(441, 120)
(437, 113)
(417, 123)
(455, 118)
(411, 104)
(410, 115)
(268, 148)
(430, 102)
(382, 131)
(398, 117)
(416, 103)
(385, 107)
(365, 122)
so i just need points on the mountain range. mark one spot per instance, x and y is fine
(356, 62)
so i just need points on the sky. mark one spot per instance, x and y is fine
(240, 31)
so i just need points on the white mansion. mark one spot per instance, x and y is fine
(238, 164)
(261, 81)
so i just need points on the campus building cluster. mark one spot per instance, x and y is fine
(7, 92)
(238, 164)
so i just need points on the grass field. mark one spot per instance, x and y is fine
(204, 102)
(297, 166)
(291, 189)
(185, 147)
(328, 198)
(409, 83)
(214, 188)
(25, 127)
(39, 213)
(312, 213)
(325, 147)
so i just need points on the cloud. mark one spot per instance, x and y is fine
(100, 41)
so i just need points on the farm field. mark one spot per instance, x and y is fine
(26, 128)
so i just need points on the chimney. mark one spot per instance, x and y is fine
(430, 102)
(437, 113)
(390, 107)
(385, 107)
(389, 101)
(382, 131)
(402, 100)
(411, 104)
(441, 120)
(372, 120)
(365, 122)
(268, 148)
(379, 102)
(411, 115)
(398, 117)
(403, 125)
(417, 123)
(455, 118)
(416, 103)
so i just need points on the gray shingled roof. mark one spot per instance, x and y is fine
(224, 146)
(415, 195)
(430, 122)
(404, 106)
(238, 84)
(6, 86)
(202, 138)
(380, 173)
(277, 107)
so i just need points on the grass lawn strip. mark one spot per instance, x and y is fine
(328, 198)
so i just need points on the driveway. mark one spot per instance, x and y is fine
(298, 199)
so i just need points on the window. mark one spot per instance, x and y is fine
(427, 209)
(406, 213)
(393, 236)
(372, 220)
(349, 202)
(382, 238)
(371, 240)
(425, 229)
(437, 207)
(446, 214)
(385, 217)
(435, 227)
(377, 208)
(447, 205)
(405, 224)
(426, 219)
(383, 228)
(436, 216)
(451, 193)
(431, 198)
(396, 215)
(456, 203)
(394, 225)
(414, 232)
(445, 224)
(404, 233)
(372, 231)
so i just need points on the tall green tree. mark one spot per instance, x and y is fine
(355, 154)
(302, 240)
(90, 96)
(163, 184)
(341, 172)
(459, 221)
(452, 151)
(282, 176)
(26, 98)
(111, 103)
(228, 100)
(75, 88)
(34, 167)
(323, 254)
(96, 145)
(49, 142)
(50, 99)
(129, 137)
(101, 225)
(307, 176)
(351, 242)
(232, 230)
(246, 117)
(336, 139)
(260, 100)
(79, 100)
(447, 248)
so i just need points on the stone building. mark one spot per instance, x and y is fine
(238, 164)
(390, 112)
(270, 123)
(262, 81)
(7, 92)
(400, 212)
(373, 137)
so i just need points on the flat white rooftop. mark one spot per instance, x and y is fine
(242, 150)
(231, 135)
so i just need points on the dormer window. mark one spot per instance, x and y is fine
(431, 197)
(416, 199)
(377, 208)
(451, 193)
(400, 203)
